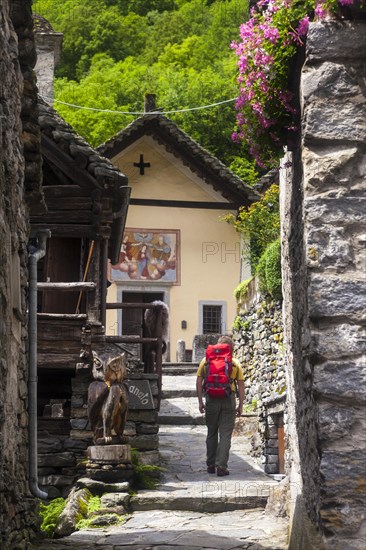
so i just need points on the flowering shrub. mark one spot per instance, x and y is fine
(268, 43)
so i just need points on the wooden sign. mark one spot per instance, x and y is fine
(140, 396)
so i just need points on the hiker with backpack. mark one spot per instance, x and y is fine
(219, 377)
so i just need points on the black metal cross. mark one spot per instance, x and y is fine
(142, 165)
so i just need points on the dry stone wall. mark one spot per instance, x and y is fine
(63, 440)
(19, 178)
(259, 348)
(324, 279)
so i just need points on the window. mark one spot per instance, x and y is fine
(211, 319)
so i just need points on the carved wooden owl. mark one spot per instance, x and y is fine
(108, 398)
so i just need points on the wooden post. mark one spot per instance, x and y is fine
(159, 352)
(103, 284)
(91, 248)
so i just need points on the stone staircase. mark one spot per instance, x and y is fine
(190, 509)
(185, 483)
(179, 403)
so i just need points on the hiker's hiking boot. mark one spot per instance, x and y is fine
(222, 471)
(211, 469)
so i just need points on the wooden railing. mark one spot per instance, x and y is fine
(156, 340)
(81, 287)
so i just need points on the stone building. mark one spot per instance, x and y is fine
(20, 177)
(323, 183)
(323, 243)
(177, 248)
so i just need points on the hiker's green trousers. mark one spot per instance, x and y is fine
(220, 421)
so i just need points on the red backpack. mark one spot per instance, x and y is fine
(218, 370)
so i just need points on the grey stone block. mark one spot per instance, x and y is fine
(147, 442)
(342, 379)
(333, 296)
(336, 40)
(59, 460)
(343, 340)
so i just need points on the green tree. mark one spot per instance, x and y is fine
(114, 51)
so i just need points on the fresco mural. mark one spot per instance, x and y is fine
(148, 255)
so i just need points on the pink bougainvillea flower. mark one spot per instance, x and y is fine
(303, 26)
(268, 42)
(320, 11)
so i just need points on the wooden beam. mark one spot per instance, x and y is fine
(56, 191)
(58, 360)
(71, 230)
(66, 286)
(62, 316)
(185, 204)
(126, 305)
(67, 164)
(130, 340)
(67, 203)
(74, 216)
(69, 347)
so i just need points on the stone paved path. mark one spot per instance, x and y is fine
(192, 509)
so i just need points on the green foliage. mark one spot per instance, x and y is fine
(269, 271)
(259, 225)
(251, 407)
(241, 290)
(144, 475)
(245, 168)
(93, 505)
(114, 51)
(50, 514)
(237, 324)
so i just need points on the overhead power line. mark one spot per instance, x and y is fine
(140, 112)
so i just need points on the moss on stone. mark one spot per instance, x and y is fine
(241, 290)
(50, 514)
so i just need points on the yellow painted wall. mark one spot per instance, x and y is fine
(210, 248)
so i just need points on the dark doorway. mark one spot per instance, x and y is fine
(132, 319)
(61, 264)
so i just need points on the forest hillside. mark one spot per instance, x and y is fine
(115, 51)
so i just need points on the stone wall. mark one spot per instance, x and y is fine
(259, 348)
(64, 438)
(323, 240)
(19, 178)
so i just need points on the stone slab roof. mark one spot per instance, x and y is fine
(70, 156)
(40, 24)
(192, 154)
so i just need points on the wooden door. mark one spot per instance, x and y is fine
(281, 449)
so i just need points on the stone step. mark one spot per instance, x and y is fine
(181, 530)
(179, 386)
(180, 411)
(156, 500)
(169, 394)
(185, 484)
(179, 368)
(180, 420)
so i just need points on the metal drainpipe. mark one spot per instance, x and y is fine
(42, 237)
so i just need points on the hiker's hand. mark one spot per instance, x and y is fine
(239, 410)
(201, 407)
